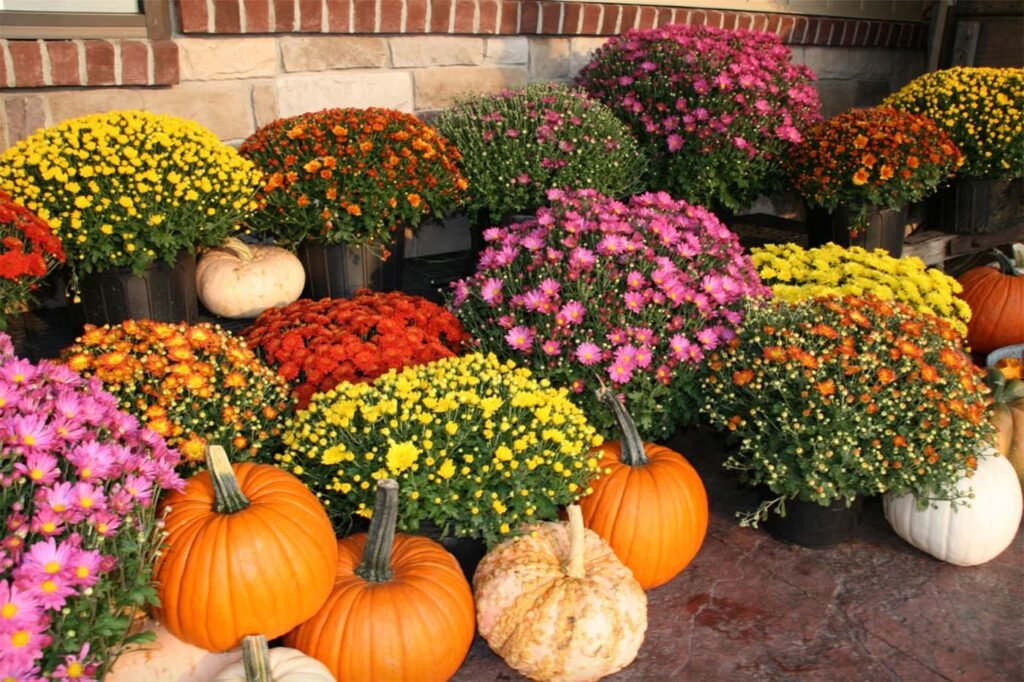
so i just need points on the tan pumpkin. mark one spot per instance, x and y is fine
(238, 280)
(257, 663)
(1008, 418)
(167, 659)
(557, 604)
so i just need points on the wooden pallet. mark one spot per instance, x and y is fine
(935, 248)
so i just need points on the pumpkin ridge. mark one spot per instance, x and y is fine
(661, 484)
(306, 530)
(626, 532)
(611, 494)
(283, 563)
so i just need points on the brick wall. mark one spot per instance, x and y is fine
(237, 64)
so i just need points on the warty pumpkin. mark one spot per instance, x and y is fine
(249, 550)
(400, 608)
(280, 664)
(650, 505)
(996, 298)
(239, 280)
(966, 536)
(557, 604)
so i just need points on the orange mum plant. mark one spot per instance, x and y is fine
(191, 384)
(872, 157)
(831, 398)
(351, 176)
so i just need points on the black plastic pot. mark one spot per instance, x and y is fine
(812, 525)
(166, 293)
(977, 206)
(338, 270)
(467, 551)
(884, 230)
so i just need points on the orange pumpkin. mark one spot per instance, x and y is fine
(401, 608)
(650, 505)
(249, 550)
(996, 298)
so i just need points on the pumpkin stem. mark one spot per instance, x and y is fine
(1006, 265)
(228, 496)
(238, 247)
(376, 564)
(632, 445)
(256, 658)
(574, 567)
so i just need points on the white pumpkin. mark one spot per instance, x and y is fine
(966, 536)
(238, 280)
(168, 659)
(279, 664)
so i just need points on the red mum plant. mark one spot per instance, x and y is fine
(27, 251)
(316, 345)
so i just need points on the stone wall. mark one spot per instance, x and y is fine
(223, 69)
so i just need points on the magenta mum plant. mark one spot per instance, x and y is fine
(594, 291)
(79, 482)
(716, 110)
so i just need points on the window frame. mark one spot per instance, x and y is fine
(153, 22)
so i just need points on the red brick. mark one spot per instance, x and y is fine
(63, 62)
(920, 39)
(571, 18)
(714, 18)
(391, 16)
(3, 70)
(646, 17)
(629, 14)
(785, 28)
(257, 16)
(365, 16)
(337, 16)
(227, 17)
(609, 20)
(729, 20)
(773, 23)
(415, 16)
(464, 19)
(284, 16)
(760, 23)
(99, 62)
(551, 18)
(696, 18)
(134, 63)
(856, 35)
(28, 63)
(664, 17)
(591, 19)
(310, 16)
(165, 62)
(529, 17)
(193, 16)
(488, 17)
(873, 31)
(509, 18)
(440, 15)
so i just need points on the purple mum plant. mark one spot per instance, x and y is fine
(716, 110)
(596, 292)
(79, 482)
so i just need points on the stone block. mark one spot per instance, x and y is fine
(420, 51)
(850, 62)
(836, 96)
(322, 53)
(909, 65)
(205, 59)
(24, 115)
(511, 50)
(580, 52)
(225, 107)
(264, 101)
(299, 93)
(549, 59)
(437, 87)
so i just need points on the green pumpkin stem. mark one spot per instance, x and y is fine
(1006, 266)
(574, 567)
(376, 564)
(227, 495)
(256, 658)
(632, 445)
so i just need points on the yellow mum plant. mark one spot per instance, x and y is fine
(127, 188)
(796, 274)
(478, 446)
(982, 109)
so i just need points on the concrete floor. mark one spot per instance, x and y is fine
(750, 607)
